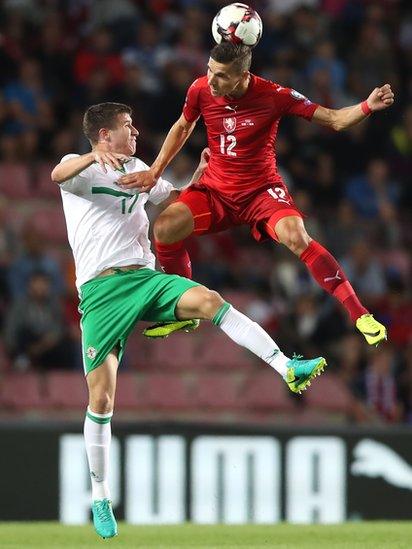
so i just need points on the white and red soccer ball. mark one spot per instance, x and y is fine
(239, 24)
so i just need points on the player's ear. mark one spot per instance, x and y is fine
(104, 135)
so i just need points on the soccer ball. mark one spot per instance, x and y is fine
(239, 24)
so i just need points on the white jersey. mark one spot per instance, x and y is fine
(107, 226)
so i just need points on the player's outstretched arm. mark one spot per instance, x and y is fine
(175, 139)
(341, 119)
(73, 166)
(204, 161)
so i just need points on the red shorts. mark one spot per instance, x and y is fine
(213, 214)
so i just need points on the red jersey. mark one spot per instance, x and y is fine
(241, 134)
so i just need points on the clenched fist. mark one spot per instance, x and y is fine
(381, 98)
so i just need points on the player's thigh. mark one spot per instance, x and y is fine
(265, 210)
(162, 295)
(101, 382)
(208, 213)
(199, 302)
(175, 223)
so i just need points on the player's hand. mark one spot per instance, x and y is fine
(142, 181)
(114, 160)
(381, 98)
(204, 160)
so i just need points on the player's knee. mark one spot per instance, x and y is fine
(173, 226)
(210, 304)
(163, 229)
(296, 239)
(101, 401)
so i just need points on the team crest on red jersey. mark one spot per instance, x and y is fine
(229, 124)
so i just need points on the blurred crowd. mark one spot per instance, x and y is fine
(60, 56)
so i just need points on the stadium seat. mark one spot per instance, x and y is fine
(15, 180)
(219, 352)
(126, 391)
(165, 391)
(138, 350)
(330, 394)
(217, 392)
(66, 390)
(21, 391)
(265, 391)
(4, 359)
(239, 300)
(177, 352)
(45, 187)
(51, 224)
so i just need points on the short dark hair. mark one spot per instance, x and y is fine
(102, 115)
(239, 55)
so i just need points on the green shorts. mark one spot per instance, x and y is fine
(112, 305)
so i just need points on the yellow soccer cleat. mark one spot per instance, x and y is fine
(373, 331)
(164, 329)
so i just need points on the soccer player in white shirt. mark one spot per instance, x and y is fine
(118, 285)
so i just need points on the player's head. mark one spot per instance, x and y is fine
(228, 68)
(111, 123)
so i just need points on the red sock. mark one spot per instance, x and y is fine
(329, 275)
(174, 259)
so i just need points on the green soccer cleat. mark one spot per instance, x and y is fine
(373, 331)
(164, 329)
(301, 372)
(103, 518)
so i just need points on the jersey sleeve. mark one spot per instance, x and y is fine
(191, 109)
(76, 183)
(292, 102)
(160, 191)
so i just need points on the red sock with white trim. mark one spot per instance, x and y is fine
(174, 258)
(329, 275)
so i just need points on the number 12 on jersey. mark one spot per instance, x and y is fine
(227, 144)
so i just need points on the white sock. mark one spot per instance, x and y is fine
(97, 437)
(249, 334)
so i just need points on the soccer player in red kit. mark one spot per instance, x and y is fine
(241, 184)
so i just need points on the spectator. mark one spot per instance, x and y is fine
(99, 54)
(373, 193)
(365, 271)
(34, 328)
(34, 258)
(377, 385)
(401, 151)
(28, 109)
(147, 54)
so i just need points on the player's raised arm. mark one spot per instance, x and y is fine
(204, 161)
(73, 166)
(340, 119)
(175, 139)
